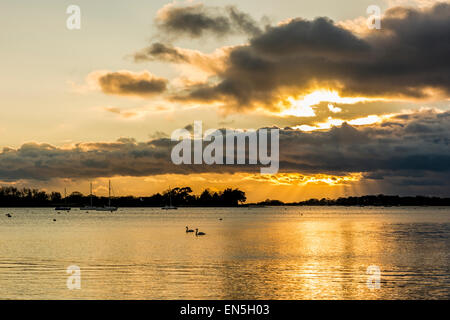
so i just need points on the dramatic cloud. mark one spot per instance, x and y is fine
(198, 20)
(128, 83)
(163, 52)
(401, 145)
(408, 149)
(212, 63)
(406, 59)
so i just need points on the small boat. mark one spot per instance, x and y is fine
(170, 206)
(108, 207)
(90, 207)
(65, 207)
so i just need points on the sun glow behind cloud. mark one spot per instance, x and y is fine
(299, 179)
(304, 107)
(372, 119)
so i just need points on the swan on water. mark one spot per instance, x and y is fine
(199, 233)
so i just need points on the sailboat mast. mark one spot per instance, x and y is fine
(65, 196)
(109, 194)
(91, 194)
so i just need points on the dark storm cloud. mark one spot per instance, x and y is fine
(405, 58)
(373, 149)
(123, 157)
(127, 83)
(198, 20)
(389, 152)
(318, 37)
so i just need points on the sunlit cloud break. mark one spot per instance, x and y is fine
(372, 119)
(298, 179)
(303, 107)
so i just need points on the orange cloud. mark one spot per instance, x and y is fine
(299, 179)
(128, 83)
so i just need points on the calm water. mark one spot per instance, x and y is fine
(259, 253)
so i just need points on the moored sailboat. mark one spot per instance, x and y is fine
(170, 206)
(65, 207)
(108, 207)
(90, 207)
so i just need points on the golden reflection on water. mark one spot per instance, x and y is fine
(263, 253)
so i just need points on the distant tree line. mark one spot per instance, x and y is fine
(14, 197)
(369, 200)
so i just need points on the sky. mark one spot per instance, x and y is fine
(360, 110)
